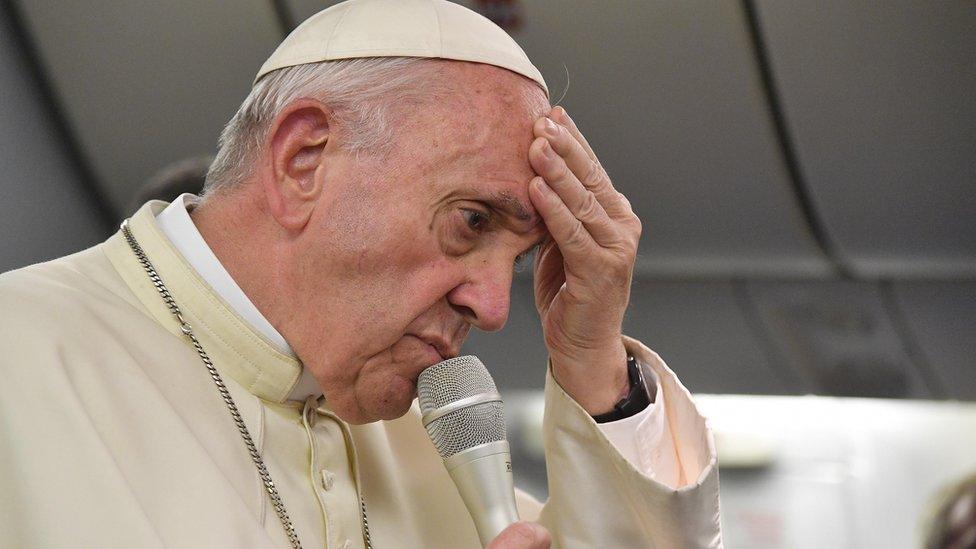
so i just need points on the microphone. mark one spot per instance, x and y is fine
(464, 416)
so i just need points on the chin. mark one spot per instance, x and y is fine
(381, 402)
(396, 399)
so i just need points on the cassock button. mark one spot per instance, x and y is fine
(328, 479)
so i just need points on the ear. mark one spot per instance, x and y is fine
(296, 145)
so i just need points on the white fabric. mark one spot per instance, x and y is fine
(645, 442)
(175, 222)
(114, 435)
(633, 437)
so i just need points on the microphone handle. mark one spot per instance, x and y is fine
(483, 476)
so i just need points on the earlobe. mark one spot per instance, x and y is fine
(296, 152)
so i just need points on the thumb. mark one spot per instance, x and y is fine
(522, 535)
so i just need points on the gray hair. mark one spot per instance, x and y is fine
(362, 94)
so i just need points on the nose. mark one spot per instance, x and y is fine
(484, 298)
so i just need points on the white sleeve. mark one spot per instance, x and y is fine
(663, 494)
(644, 440)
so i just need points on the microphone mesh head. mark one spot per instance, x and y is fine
(450, 381)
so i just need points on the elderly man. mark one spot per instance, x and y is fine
(240, 371)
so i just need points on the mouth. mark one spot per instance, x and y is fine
(440, 345)
(434, 349)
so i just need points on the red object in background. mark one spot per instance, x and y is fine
(507, 14)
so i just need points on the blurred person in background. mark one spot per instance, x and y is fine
(391, 164)
(953, 524)
(183, 176)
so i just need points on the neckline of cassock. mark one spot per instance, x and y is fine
(236, 348)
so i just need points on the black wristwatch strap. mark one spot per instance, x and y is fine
(636, 400)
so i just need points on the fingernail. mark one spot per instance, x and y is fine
(547, 150)
(542, 186)
(550, 126)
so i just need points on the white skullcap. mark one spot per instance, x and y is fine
(401, 28)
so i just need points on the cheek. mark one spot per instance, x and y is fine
(432, 281)
(414, 292)
(374, 270)
(392, 286)
(403, 258)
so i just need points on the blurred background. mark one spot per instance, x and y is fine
(805, 171)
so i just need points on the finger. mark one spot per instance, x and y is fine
(549, 274)
(582, 202)
(586, 167)
(566, 230)
(560, 115)
(626, 202)
(587, 170)
(522, 535)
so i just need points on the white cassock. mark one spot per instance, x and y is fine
(112, 433)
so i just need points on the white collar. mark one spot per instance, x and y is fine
(176, 224)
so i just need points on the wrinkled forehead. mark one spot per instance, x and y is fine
(490, 107)
(488, 125)
(479, 86)
(475, 109)
(474, 137)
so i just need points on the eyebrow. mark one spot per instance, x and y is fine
(505, 202)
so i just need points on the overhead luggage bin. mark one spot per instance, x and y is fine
(144, 84)
(879, 100)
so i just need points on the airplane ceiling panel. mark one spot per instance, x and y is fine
(44, 212)
(300, 10)
(880, 98)
(669, 95)
(147, 83)
(942, 318)
(697, 328)
(516, 356)
(705, 334)
(840, 338)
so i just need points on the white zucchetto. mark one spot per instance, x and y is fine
(401, 28)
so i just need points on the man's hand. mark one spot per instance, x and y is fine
(522, 535)
(583, 272)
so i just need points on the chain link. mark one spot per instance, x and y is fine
(269, 485)
(366, 538)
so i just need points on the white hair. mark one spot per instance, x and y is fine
(361, 93)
